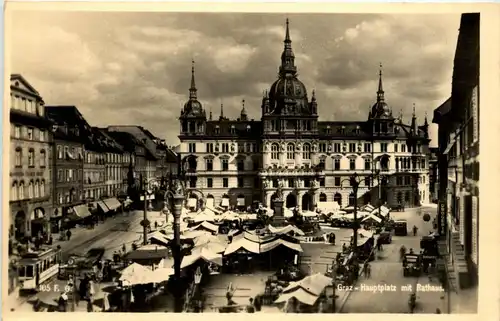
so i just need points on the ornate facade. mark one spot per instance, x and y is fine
(238, 162)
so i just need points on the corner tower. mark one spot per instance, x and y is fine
(193, 117)
(380, 116)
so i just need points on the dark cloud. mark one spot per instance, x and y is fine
(124, 68)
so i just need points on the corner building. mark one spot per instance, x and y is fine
(237, 162)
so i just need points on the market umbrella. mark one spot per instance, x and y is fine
(135, 274)
(207, 238)
(212, 247)
(203, 254)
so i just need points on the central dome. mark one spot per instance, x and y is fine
(381, 110)
(290, 91)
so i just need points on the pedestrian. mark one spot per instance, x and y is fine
(333, 238)
(438, 311)
(250, 307)
(258, 303)
(368, 270)
(156, 225)
(344, 247)
(124, 248)
(68, 234)
(415, 229)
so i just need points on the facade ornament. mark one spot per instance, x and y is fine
(177, 188)
(266, 184)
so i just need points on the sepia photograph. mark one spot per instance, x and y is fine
(238, 162)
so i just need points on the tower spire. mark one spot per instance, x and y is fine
(221, 111)
(243, 115)
(425, 120)
(192, 90)
(287, 57)
(210, 114)
(380, 91)
(414, 127)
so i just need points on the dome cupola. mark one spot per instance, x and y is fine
(380, 109)
(288, 95)
(193, 107)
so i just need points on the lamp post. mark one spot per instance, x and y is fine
(354, 181)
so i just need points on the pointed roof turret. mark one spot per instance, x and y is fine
(380, 91)
(221, 111)
(414, 127)
(243, 115)
(287, 57)
(192, 90)
(313, 95)
(210, 114)
(193, 108)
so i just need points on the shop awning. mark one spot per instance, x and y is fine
(225, 202)
(241, 201)
(112, 203)
(192, 202)
(81, 211)
(203, 254)
(205, 225)
(102, 206)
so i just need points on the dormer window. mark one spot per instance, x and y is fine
(328, 129)
(233, 130)
(248, 128)
(217, 129)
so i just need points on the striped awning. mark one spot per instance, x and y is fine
(81, 211)
(112, 203)
(103, 206)
(241, 201)
(225, 202)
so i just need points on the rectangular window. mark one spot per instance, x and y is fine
(43, 160)
(31, 158)
(225, 148)
(210, 183)
(396, 148)
(336, 164)
(192, 147)
(19, 157)
(209, 164)
(368, 164)
(352, 164)
(337, 181)
(225, 182)
(352, 147)
(383, 147)
(240, 165)
(475, 118)
(322, 148)
(337, 148)
(255, 182)
(367, 148)
(321, 164)
(29, 135)
(403, 148)
(192, 182)
(291, 182)
(225, 164)
(322, 182)
(241, 182)
(367, 181)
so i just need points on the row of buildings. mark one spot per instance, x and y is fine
(61, 167)
(241, 161)
(458, 159)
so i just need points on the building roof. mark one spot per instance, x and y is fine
(442, 111)
(126, 140)
(27, 85)
(140, 134)
(69, 123)
(109, 141)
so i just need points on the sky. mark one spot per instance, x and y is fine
(123, 68)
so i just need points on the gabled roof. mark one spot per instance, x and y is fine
(126, 140)
(23, 84)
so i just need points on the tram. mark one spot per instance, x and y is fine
(36, 268)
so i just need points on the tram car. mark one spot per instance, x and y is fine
(37, 268)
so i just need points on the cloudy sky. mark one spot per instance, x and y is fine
(134, 68)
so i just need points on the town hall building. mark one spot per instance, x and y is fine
(237, 162)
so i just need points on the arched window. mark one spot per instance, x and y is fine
(43, 159)
(30, 189)
(306, 151)
(19, 157)
(290, 151)
(274, 151)
(14, 192)
(338, 198)
(21, 191)
(37, 189)
(42, 188)
(322, 197)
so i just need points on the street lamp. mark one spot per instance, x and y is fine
(354, 181)
(147, 197)
(379, 176)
